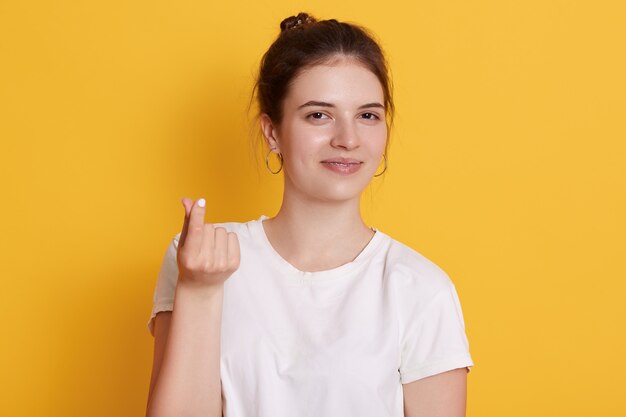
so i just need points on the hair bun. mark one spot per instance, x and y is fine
(296, 21)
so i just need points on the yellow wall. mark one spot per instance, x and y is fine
(507, 168)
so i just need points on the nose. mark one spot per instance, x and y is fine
(345, 136)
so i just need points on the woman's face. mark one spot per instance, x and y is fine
(333, 132)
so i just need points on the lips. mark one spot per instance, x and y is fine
(342, 166)
(343, 161)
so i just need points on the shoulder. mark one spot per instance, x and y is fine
(412, 273)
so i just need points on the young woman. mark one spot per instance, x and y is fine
(310, 312)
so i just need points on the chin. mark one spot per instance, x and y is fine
(343, 192)
(334, 188)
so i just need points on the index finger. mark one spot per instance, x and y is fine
(195, 227)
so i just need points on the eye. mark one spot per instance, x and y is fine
(370, 116)
(317, 115)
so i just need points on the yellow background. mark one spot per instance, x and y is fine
(506, 168)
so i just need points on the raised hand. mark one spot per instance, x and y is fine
(207, 256)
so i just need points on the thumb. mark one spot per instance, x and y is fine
(187, 204)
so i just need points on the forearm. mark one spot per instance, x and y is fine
(188, 383)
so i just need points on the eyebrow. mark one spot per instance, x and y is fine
(324, 104)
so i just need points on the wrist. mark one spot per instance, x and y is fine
(193, 289)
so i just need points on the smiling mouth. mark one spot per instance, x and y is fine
(342, 168)
(345, 164)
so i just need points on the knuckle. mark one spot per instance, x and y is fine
(186, 263)
(221, 265)
(234, 263)
(209, 265)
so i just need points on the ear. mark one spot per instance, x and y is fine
(269, 132)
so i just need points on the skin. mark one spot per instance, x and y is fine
(186, 371)
(318, 227)
(440, 395)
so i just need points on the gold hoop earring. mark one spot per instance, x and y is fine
(267, 162)
(378, 175)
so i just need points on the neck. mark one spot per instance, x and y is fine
(314, 234)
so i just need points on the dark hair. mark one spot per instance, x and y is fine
(305, 42)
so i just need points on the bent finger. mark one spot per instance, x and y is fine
(233, 250)
(221, 247)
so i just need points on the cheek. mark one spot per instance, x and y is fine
(378, 140)
(303, 144)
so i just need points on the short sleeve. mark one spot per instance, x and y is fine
(163, 298)
(433, 338)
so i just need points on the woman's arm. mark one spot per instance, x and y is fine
(186, 374)
(161, 329)
(186, 370)
(440, 395)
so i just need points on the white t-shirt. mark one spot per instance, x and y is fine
(338, 342)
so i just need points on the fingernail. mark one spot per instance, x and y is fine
(201, 202)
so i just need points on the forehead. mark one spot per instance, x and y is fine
(343, 82)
